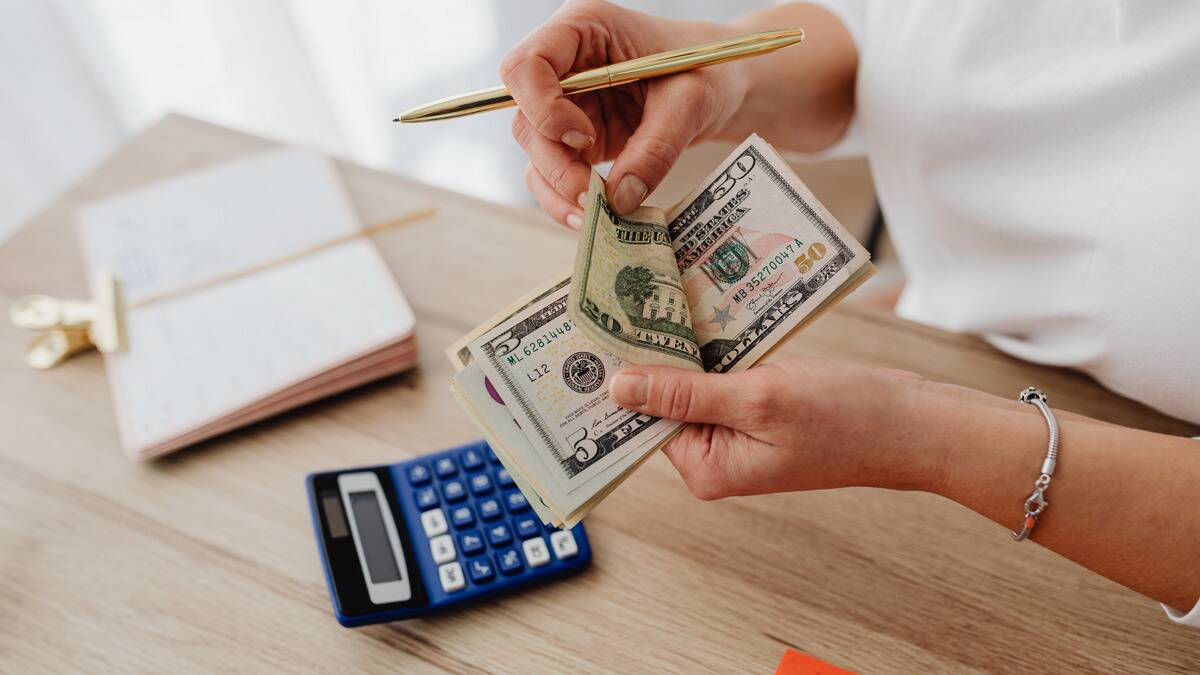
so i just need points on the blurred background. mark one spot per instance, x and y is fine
(79, 76)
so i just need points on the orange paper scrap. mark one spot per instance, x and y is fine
(795, 663)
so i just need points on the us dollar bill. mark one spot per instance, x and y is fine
(720, 279)
(715, 282)
(487, 409)
(554, 381)
(758, 256)
(460, 355)
(626, 293)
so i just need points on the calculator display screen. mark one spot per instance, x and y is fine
(376, 546)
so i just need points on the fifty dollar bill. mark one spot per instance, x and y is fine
(721, 278)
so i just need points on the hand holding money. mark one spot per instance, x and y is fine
(564, 136)
(713, 284)
(798, 424)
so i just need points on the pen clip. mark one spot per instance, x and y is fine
(71, 326)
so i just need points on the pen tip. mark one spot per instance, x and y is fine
(396, 119)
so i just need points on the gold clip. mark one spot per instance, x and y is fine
(71, 326)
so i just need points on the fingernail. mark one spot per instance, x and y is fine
(582, 199)
(577, 139)
(629, 389)
(629, 194)
(574, 220)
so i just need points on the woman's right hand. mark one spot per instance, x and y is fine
(642, 126)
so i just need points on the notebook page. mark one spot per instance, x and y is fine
(195, 358)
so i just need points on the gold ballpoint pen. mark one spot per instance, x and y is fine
(616, 74)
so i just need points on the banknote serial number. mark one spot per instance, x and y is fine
(804, 262)
(529, 347)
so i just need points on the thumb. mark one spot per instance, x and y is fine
(678, 394)
(676, 111)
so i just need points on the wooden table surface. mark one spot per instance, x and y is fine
(205, 560)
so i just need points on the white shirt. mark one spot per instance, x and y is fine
(1039, 168)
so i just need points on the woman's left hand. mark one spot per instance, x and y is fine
(800, 424)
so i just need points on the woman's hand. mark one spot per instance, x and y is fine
(809, 424)
(643, 126)
(801, 424)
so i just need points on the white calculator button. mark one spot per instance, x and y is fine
(442, 548)
(535, 552)
(434, 522)
(563, 543)
(451, 576)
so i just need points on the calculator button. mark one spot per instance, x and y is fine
(499, 534)
(471, 542)
(433, 522)
(489, 509)
(526, 527)
(442, 548)
(509, 561)
(426, 497)
(418, 474)
(563, 543)
(445, 467)
(516, 501)
(462, 516)
(503, 479)
(453, 490)
(492, 456)
(472, 459)
(535, 552)
(481, 570)
(481, 484)
(451, 576)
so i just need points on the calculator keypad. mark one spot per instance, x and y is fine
(451, 576)
(453, 490)
(489, 509)
(433, 522)
(481, 484)
(418, 474)
(526, 527)
(509, 561)
(516, 501)
(425, 497)
(536, 554)
(445, 467)
(563, 543)
(485, 528)
(471, 542)
(442, 548)
(472, 459)
(481, 570)
(462, 516)
(499, 534)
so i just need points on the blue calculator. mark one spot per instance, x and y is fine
(421, 536)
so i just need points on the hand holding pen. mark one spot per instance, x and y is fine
(643, 125)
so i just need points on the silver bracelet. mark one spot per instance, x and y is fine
(1036, 503)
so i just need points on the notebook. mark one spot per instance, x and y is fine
(247, 294)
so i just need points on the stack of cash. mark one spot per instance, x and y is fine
(713, 284)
